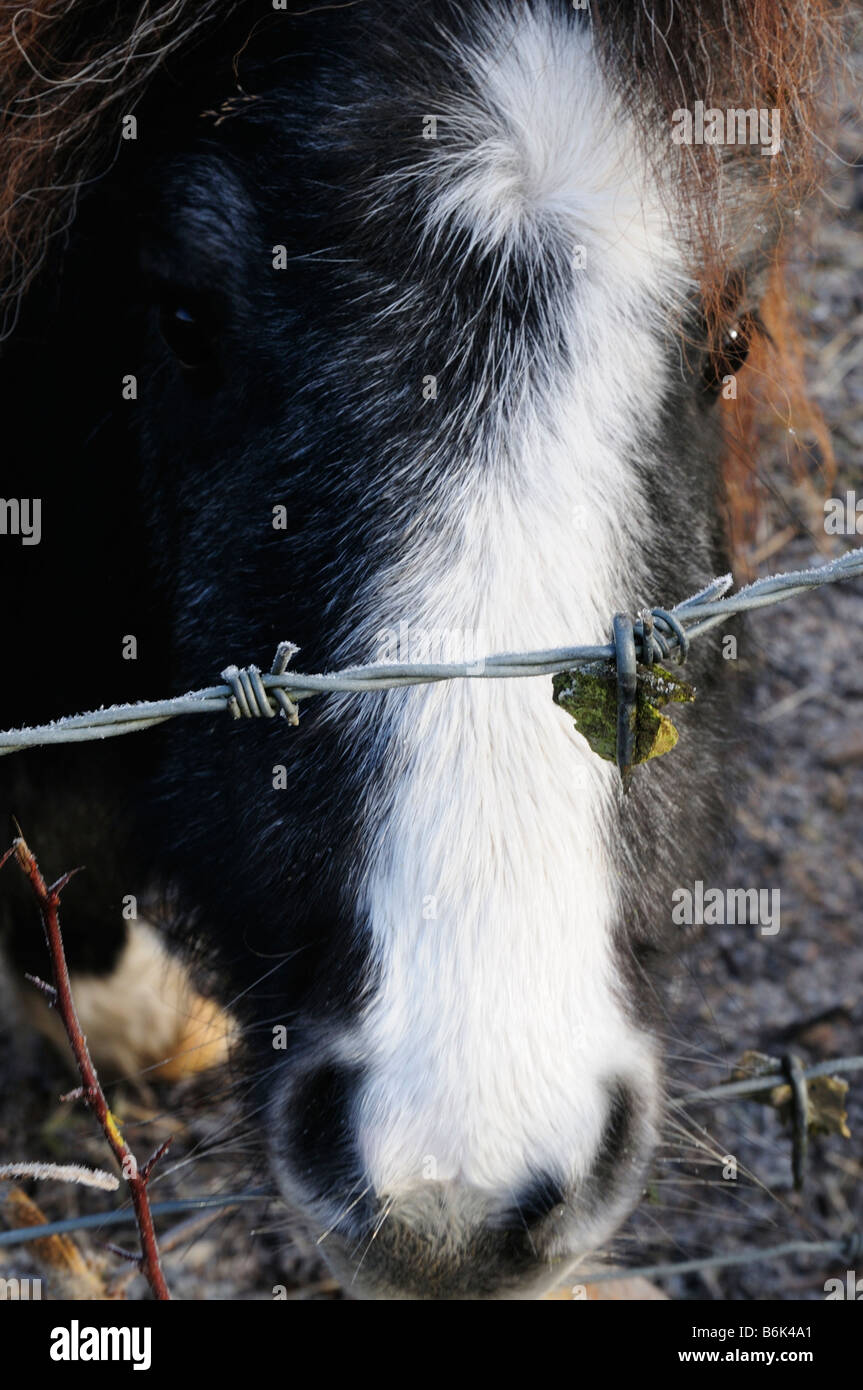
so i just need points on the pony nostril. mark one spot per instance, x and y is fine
(620, 1125)
(537, 1200)
(320, 1136)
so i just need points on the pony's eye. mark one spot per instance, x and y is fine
(190, 334)
(730, 356)
(735, 348)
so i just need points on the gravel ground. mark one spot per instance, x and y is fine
(798, 830)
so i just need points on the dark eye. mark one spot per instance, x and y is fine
(190, 333)
(735, 348)
(731, 354)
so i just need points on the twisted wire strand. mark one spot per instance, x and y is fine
(731, 1090)
(249, 693)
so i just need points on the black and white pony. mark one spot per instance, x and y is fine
(382, 319)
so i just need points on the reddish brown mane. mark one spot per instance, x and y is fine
(760, 54)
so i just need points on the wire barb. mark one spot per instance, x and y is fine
(249, 698)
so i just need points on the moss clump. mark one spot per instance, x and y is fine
(589, 695)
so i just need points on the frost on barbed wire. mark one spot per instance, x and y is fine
(248, 691)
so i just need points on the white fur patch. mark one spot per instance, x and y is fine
(491, 893)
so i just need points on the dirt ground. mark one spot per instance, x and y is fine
(798, 830)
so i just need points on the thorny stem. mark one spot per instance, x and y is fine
(48, 898)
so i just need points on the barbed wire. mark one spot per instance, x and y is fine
(794, 1079)
(125, 1216)
(730, 1090)
(247, 692)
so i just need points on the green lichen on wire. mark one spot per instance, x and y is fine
(589, 696)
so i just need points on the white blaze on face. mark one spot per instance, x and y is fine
(491, 893)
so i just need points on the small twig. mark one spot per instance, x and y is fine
(133, 1256)
(49, 991)
(154, 1158)
(70, 1276)
(48, 899)
(62, 1172)
(169, 1240)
